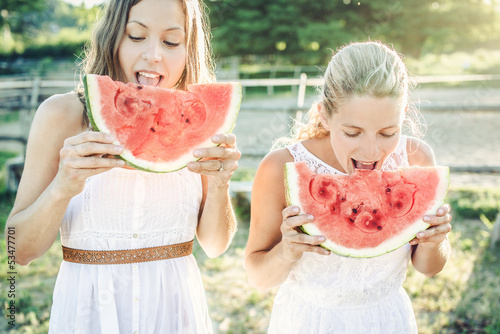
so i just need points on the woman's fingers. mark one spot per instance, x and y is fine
(220, 161)
(227, 139)
(86, 154)
(296, 241)
(439, 227)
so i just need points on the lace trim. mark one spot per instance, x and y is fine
(126, 235)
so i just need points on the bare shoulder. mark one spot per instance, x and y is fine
(273, 162)
(419, 153)
(59, 117)
(65, 109)
(268, 185)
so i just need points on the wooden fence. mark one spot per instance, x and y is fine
(25, 95)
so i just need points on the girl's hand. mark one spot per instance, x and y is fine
(437, 232)
(84, 155)
(295, 242)
(219, 162)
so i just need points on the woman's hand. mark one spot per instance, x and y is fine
(219, 162)
(84, 155)
(295, 242)
(439, 229)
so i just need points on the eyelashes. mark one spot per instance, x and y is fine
(139, 39)
(353, 135)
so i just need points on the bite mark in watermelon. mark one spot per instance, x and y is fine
(367, 213)
(159, 128)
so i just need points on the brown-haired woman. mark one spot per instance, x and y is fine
(144, 279)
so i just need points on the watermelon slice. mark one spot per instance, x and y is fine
(160, 128)
(367, 213)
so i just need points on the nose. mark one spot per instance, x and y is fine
(371, 149)
(152, 52)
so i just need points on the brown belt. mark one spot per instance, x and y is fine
(127, 255)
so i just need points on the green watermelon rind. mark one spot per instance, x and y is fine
(93, 109)
(292, 197)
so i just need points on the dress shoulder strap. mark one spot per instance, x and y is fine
(398, 158)
(300, 153)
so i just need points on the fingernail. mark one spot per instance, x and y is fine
(120, 162)
(110, 138)
(118, 149)
(326, 252)
(321, 239)
(427, 218)
(440, 211)
(420, 235)
(216, 138)
(197, 153)
(295, 210)
(310, 217)
(192, 165)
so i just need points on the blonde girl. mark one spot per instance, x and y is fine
(356, 125)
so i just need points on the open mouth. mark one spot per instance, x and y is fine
(364, 165)
(148, 79)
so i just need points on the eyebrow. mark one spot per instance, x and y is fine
(359, 128)
(145, 26)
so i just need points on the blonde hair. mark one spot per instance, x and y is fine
(358, 69)
(101, 55)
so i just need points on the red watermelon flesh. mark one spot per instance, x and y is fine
(160, 128)
(367, 213)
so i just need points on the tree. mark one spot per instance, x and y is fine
(414, 25)
(303, 28)
(296, 28)
(19, 16)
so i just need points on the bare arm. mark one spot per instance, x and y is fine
(274, 245)
(431, 248)
(58, 160)
(217, 222)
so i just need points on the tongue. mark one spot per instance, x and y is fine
(142, 80)
(359, 165)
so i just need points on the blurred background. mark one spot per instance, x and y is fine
(278, 50)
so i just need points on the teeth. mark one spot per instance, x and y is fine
(366, 163)
(148, 75)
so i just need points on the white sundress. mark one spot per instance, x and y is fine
(335, 294)
(129, 209)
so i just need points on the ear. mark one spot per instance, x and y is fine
(323, 114)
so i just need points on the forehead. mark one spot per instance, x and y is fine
(370, 112)
(164, 14)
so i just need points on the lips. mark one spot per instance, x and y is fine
(148, 78)
(364, 165)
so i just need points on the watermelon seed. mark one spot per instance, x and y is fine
(388, 190)
(139, 87)
(187, 120)
(352, 220)
(153, 129)
(354, 210)
(379, 228)
(374, 211)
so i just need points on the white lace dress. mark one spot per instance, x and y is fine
(128, 209)
(334, 294)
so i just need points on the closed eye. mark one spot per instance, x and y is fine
(352, 135)
(135, 39)
(388, 135)
(170, 44)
